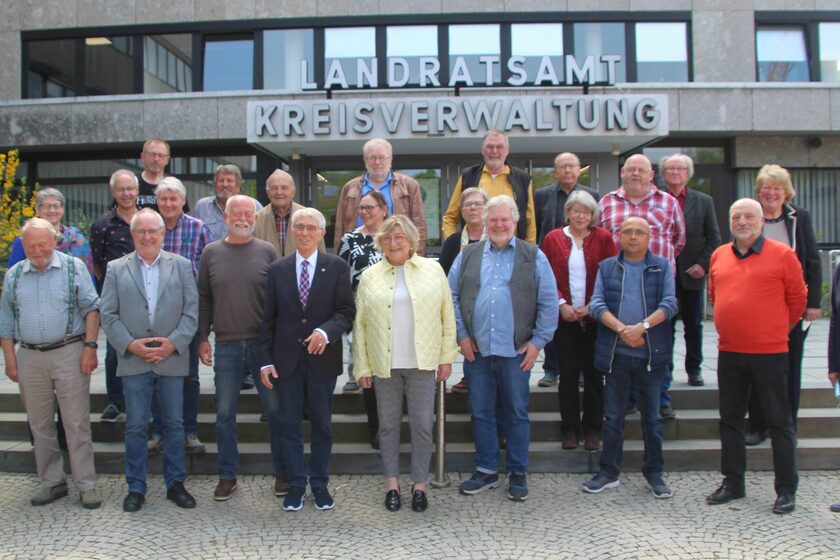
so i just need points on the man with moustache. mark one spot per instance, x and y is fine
(401, 192)
(210, 209)
(231, 295)
(308, 306)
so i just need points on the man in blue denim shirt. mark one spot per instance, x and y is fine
(503, 321)
(633, 302)
(231, 285)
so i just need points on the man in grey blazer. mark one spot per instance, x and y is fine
(149, 309)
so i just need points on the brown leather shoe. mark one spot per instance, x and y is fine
(225, 489)
(461, 386)
(570, 441)
(281, 485)
(592, 442)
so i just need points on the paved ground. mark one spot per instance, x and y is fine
(557, 522)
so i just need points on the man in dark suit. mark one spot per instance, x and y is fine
(550, 204)
(702, 237)
(308, 306)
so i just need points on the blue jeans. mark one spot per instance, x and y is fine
(664, 395)
(138, 391)
(284, 406)
(494, 381)
(113, 384)
(551, 363)
(234, 359)
(192, 395)
(624, 370)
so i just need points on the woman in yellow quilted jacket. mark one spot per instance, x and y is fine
(403, 342)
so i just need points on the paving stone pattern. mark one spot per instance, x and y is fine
(557, 522)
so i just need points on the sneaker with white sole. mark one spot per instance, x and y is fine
(479, 482)
(660, 488)
(194, 445)
(599, 483)
(294, 500)
(154, 445)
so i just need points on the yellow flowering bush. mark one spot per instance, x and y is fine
(18, 204)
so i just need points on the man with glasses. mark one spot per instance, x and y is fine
(496, 177)
(272, 222)
(210, 209)
(149, 311)
(110, 239)
(702, 237)
(308, 306)
(638, 197)
(400, 191)
(155, 158)
(550, 206)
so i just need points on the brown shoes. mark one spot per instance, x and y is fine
(461, 386)
(592, 442)
(570, 441)
(225, 489)
(281, 485)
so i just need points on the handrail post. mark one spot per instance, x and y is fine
(441, 479)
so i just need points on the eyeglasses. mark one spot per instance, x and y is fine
(676, 169)
(565, 166)
(634, 232)
(377, 158)
(159, 155)
(473, 204)
(579, 212)
(367, 207)
(306, 228)
(149, 232)
(395, 240)
(46, 206)
(124, 189)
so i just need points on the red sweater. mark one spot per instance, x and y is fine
(756, 299)
(557, 246)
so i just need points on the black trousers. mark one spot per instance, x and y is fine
(796, 349)
(765, 375)
(575, 343)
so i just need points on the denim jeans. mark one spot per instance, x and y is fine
(551, 363)
(495, 381)
(624, 370)
(270, 401)
(234, 359)
(664, 395)
(113, 384)
(192, 396)
(138, 391)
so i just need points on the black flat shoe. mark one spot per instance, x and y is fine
(785, 503)
(180, 496)
(392, 500)
(133, 502)
(419, 502)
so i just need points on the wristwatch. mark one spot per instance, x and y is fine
(646, 325)
(91, 345)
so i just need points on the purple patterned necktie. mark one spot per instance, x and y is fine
(303, 288)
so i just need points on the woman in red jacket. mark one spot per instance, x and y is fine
(574, 252)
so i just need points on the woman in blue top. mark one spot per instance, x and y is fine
(49, 204)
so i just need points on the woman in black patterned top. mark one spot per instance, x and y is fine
(356, 247)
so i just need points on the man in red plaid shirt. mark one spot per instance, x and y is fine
(638, 196)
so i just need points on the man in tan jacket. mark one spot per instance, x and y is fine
(273, 221)
(400, 191)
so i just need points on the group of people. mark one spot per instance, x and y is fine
(600, 293)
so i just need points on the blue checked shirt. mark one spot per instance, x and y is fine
(188, 239)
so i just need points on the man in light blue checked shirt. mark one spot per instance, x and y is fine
(49, 306)
(503, 321)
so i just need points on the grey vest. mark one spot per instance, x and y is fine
(523, 287)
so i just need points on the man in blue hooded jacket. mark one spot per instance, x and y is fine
(633, 302)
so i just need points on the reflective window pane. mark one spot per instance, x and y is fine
(830, 52)
(542, 46)
(282, 55)
(109, 65)
(429, 180)
(166, 59)
(349, 54)
(468, 44)
(598, 39)
(51, 69)
(661, 52)
(410, 42)
(228, 64)
(781, 54)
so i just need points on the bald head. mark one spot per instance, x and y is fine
(636, 176)
(280, 188)
(746, 219)
(567, 170)
(634, 236)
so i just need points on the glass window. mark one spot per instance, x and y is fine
(228, 64)
(429, 180)
(468, 45)
(411, 42)
(349, 54)
(167, 63)
(599, 39)
(830, 52)
(52, 66)
(661, 52)
(109, 65)
(542, 46)
(283, 52)
(781, 54)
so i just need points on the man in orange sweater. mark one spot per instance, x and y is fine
(758, 293)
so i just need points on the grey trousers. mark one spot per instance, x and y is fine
(43, 378)
(419, 389)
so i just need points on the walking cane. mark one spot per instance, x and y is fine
(441, 479)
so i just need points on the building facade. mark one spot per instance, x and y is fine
(302, 85)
